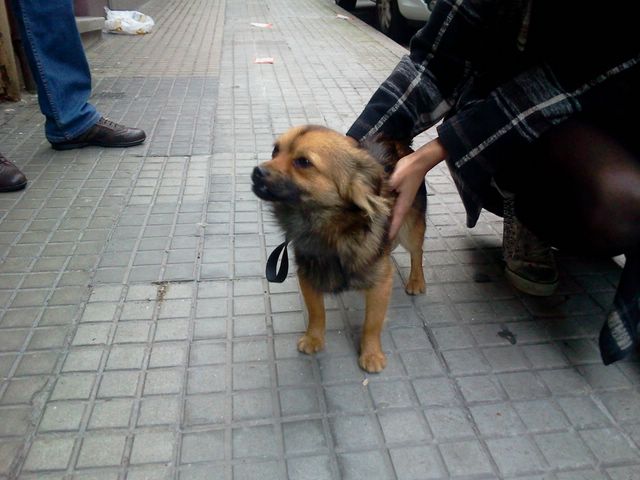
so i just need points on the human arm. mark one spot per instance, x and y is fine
(409, 175)
(424, 86)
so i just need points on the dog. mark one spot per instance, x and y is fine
(331, 197)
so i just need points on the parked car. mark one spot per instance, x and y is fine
(396, 16)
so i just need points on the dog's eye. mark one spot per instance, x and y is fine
(302, 162)
(276, 151)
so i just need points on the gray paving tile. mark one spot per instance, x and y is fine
(205, 409)
(248, 471)
(152, 447)
(294, 372)
(62, 416)
(202, 447)
(515, 455)
(163, 410)
(620, 473)
(101, 450)
(299, 401)
(564, 381)
(16, 421)
(168, 354)
(122, 357)
(622, 404)
(252, 442)
(422, 363)
(304, 437)
(466, 362)
(111, 413)
(49, 453)
(37, 363)
(522, 385)
(564, 450)
(391, 394)
(413, 463)
(354, 431)
(465, 458)
(583, 412)
(207, 353)
(206, 379)
(252, 405)
(346, 398)
(541, 415)
(310, 468)
(403, 426)
(449, 423)
(118, 384)
(75, 386)
(363, 465)
(8, 451)
(82, 359)
(609, 446)
(497, 419)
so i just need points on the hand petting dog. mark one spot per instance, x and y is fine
(409, 175)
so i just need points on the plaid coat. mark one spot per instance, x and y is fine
(500, 73)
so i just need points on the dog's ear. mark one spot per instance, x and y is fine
(364, 197)
(364, 189)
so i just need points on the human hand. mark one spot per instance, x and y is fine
(407, 178)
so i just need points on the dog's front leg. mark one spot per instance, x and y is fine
(372, 358)
(313, 340)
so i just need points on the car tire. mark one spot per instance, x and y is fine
(347, 4)
(390, 20)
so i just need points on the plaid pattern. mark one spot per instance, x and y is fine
(500, 73)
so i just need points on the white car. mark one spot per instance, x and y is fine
(394, 15)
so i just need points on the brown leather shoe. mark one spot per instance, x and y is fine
(105, 133)
(11, 178)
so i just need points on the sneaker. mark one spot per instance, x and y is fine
(105, 133)
(530, 265)
(11, 178)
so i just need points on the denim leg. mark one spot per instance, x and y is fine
(59, 66)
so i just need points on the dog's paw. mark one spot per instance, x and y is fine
(415, 286)
(372, 362)
(309, 344)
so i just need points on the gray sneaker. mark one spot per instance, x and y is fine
(530, 265)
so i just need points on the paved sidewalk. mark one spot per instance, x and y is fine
(139, 338)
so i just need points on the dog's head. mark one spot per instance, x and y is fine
(318, 167)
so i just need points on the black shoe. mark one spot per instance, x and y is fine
(11, 178)
(105, 133)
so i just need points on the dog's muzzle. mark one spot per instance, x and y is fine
(273, 186)
(260, 188)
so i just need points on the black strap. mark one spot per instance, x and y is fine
(274, 275)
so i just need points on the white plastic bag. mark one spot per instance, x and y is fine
(127, 22)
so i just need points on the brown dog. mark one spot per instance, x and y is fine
(331, 198)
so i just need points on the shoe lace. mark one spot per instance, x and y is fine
(510, 227)
(519, 242)
(109, 123)
(4, 161)
(534, 249)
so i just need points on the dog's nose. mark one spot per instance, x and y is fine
(259, 173)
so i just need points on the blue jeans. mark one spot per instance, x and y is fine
(59, 66)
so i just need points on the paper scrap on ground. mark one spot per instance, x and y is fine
(261, 25)
(263, 60)
(343, 17)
